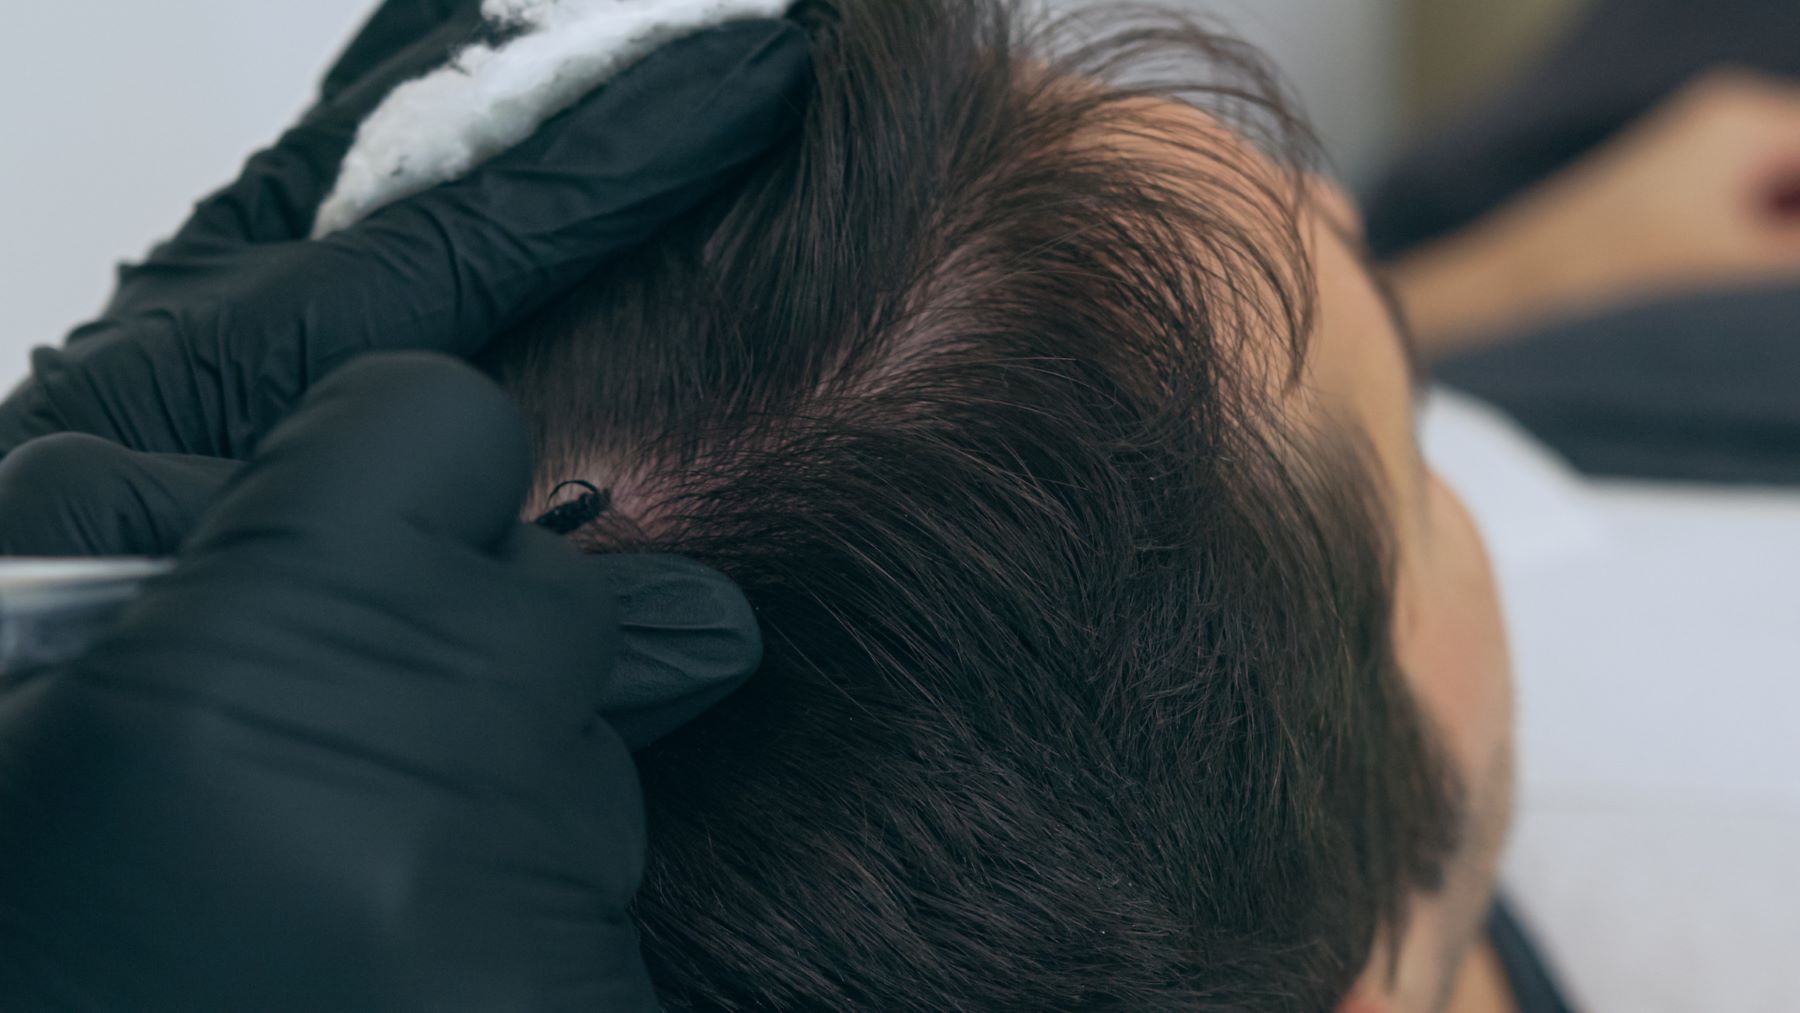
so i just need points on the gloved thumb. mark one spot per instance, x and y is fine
(688, 639)
(397, 439)
(395, 25)
(71, 494)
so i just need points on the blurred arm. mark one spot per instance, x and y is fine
(1698, 194)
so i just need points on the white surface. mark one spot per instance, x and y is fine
(117, 116)
(1532, 507)
(1657, 650)
(1343, 57)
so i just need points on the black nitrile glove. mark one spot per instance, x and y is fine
(210, 342)
(346, 757)
(71, 494)
(687, 636)
(393, 27)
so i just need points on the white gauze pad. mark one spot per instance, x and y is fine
(436, 128)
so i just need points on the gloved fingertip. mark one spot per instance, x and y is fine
(689, 637)
(743, 70)
(390, 29)
(404, 437)
(72, 494)
(782, 48)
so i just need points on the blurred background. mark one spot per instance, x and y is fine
(1603, 257)
(120, 114)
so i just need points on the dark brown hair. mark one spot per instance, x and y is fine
(1079, 691)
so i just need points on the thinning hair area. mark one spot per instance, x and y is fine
(1078, 690)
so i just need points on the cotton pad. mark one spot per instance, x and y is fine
(489, 97)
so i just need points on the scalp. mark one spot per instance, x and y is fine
(1077, 692)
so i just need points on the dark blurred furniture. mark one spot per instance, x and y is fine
(1702, 389)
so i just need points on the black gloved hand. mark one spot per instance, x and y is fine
(72, 494)
(687, 636)
(393, 27)
(210, 342)
(346, 757)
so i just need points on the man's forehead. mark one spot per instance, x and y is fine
(1168, 128)
(1249, 237)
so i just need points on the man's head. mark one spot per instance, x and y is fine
(1120, 653)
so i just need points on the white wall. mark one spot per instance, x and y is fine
(118, 114)
(1344, 58)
